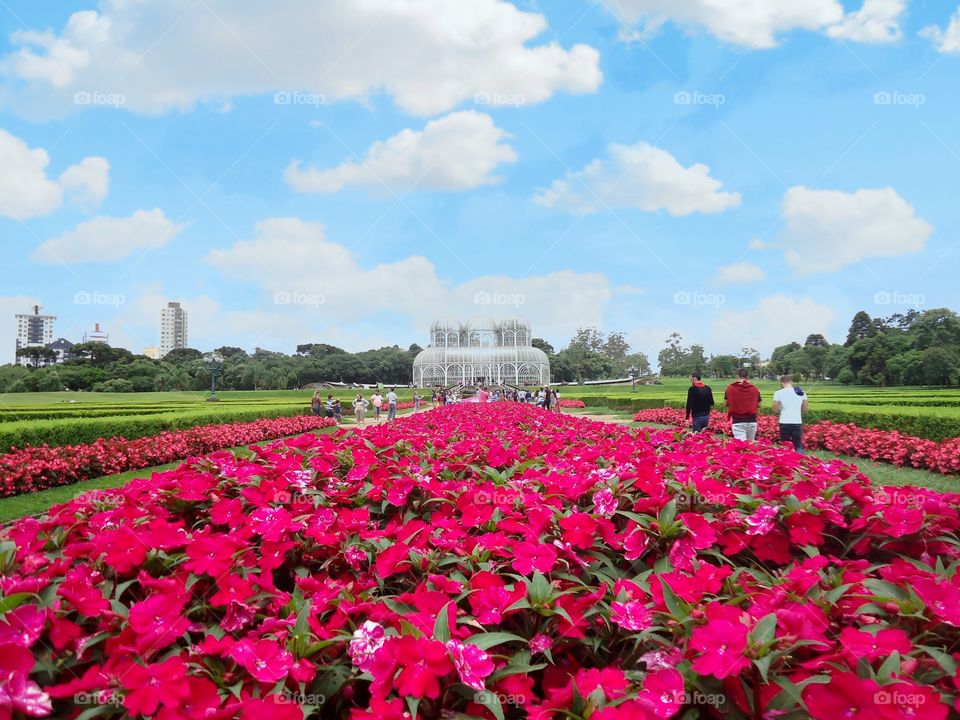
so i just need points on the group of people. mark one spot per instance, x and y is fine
(382, 405)
(330, 408)
(742, 399)
(545, 397)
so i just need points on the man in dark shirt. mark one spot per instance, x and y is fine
(699, 403)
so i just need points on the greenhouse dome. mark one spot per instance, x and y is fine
(480, 351)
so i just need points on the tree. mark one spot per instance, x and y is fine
(37, 355)
(182, 356)
(232, 353)
(543, 345)
(862, 327)
(939, 366)
(815, 340)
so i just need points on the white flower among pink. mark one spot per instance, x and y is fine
(472, 664)
(604, 502)
(630, 615)
(761, 522)
(367, 639)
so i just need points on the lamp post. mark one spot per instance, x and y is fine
(632, 371)
(214, 361)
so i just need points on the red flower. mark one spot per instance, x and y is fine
(722, 644)
(265, 660)
(844, 696)
(528, 557)
(424, 664)
(579, 529)
(150, 686)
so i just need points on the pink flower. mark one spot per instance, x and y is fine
(540, 643)
(367, 639)
(528, 557)
(579, 529)
(761, 522)
(604, 503)
(150, 686)
(472, 663)
(630, 615)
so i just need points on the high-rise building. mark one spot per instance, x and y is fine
(173, 328)
(152, 352)
(33, 330)
(96, 335)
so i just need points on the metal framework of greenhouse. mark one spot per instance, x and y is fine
(481, 351)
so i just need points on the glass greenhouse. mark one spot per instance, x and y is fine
(481, 352)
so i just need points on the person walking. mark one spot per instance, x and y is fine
(338, 412)
(316, 403)
(699, 403)
(483, 395)
(377, 404)
(434, 398)
(743, 398)
(329, 406)
(791, 403)
(360, 408)
(392, 404)
(417, 399)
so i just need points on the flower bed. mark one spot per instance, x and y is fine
(841, 438)
(492, 561)
(37, 468)
(572, 404)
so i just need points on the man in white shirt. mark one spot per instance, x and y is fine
(791, 403)
(392, 404)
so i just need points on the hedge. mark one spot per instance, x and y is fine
(71, 431)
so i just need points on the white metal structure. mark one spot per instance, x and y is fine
(480, 351)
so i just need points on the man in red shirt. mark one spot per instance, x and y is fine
(743, 403)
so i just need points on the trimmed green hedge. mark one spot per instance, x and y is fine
(84, 430)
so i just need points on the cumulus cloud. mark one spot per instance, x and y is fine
(946, 40)
(759, 23)
(456, 152)
(641, 177)
(774, 321)
(106, 239)
(827, 230)
(286, 255)
(429, 56)
(738, 273)
(27, 191)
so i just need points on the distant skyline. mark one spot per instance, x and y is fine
(744, 175)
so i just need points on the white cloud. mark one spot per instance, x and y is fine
(25, 189)
(759, 23)
(776, 320)
(106, 239)
(288, 255)
(741, 272)
(878, 21)
(827, 230)
(455, 152)
(89, 181)
(642, 177)
(430, 56)
(948, 40)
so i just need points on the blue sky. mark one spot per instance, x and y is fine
(744, 176)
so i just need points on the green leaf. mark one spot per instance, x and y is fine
(884, 589)
(485, 641)
(890, 667)
(11, 602)
(765, 630)
(671, 600)
(667, 514)
(490, 701)
(412, 704)
(944, 660)
(441, 628)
